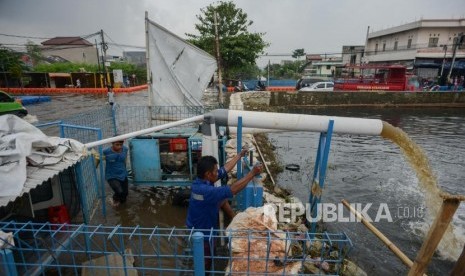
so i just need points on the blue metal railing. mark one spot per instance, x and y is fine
(319, 173)
(68, 249)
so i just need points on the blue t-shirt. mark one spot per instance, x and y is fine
(115, 167)
(204, 203)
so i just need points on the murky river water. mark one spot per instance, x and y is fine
(362, 170)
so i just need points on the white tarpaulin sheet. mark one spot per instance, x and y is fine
(23, 145)
(180, 72)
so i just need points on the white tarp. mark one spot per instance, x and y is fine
(22, 145)
(180, 72)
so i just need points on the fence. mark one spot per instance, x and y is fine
(67, 249)
(123, 119)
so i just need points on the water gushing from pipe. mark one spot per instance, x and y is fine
(449, 247)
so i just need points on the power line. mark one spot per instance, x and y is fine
(21, 36)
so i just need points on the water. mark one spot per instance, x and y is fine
(362, 169)
(365, 169)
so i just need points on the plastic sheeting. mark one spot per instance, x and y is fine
(22, 145)
(180, 72)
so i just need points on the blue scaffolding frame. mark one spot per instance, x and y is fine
(69, 249)
(319, 173)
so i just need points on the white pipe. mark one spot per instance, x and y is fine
(298, 122)
(145, 131)
(248, 130)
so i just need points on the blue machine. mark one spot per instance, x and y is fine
(251, 196)
(148, 168)
(169, 157)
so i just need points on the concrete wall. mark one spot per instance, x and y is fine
(456, 99)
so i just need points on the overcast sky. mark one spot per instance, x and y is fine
(318, 26)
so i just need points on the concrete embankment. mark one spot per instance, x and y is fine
(380, 99)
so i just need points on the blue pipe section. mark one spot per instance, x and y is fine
(199, 261)
(8, 262)
(239, 146)
(321, 163)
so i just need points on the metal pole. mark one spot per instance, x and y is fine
(456, 44)
(239, 146)
(8, 262)
(217, 40)
(199, 261)
(268, 79)
(444, 47)
(102, 175)
(104, 60)
(98, 62)
(147, 62)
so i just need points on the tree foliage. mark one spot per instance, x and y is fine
(34, 51)
(10, 61)
(290, 70)
(297, 53)
(238, 47)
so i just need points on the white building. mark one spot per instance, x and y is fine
(421, 45)
(74, 49)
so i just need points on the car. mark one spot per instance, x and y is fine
(319, 86)
(306, 81)
(9, 105)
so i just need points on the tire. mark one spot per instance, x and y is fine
(292, 167)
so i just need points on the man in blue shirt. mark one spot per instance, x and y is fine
(206, 199)
(115, 171)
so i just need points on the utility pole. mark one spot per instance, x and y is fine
(268, 78)
(444, 47)
(98, 62)
(457, 41)
(217, 40)
(104, 60)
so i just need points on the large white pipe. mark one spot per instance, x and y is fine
(298, 122)
(248, 130)
(145, 131)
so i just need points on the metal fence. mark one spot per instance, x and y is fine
(124, 119)
(67, 249)
(90, 187)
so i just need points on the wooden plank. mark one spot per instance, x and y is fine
(459, 268)
(380, 235)
(437, 230)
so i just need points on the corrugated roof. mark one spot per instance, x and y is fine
(38, 175)
(66, 40)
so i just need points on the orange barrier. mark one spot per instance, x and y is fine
(48, 91)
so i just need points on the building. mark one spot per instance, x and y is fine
(73, 49)
(427, 46)
(321, 66)
(353, 54)
(135, 57)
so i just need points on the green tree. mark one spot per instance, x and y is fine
(288, 70)
(297, 53)
(238, 47)
(34, 51)
(65, 67)
(9, 59)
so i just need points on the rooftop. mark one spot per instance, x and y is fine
(423, 23)
(67, 40)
